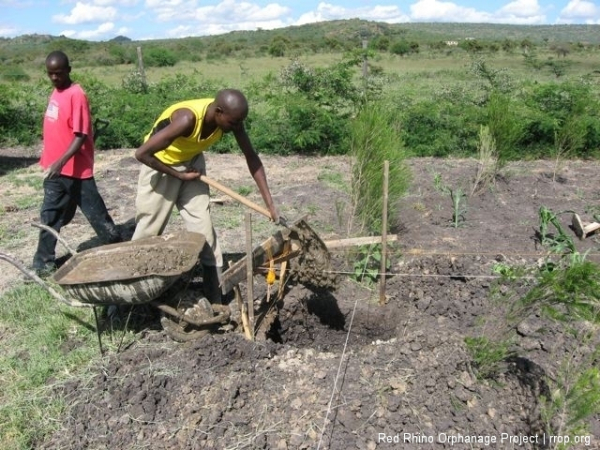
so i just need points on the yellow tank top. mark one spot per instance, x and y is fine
(185, 148)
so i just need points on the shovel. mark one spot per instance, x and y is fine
(314, 262)
(240, 198)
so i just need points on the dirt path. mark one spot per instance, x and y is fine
(400, 371)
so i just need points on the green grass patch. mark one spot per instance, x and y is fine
(334, 179)
(42, 345)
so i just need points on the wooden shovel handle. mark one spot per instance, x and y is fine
(240, 198)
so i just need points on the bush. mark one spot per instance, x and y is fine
(304, 111)
(374, 139)
(159, 57)
(13, 73)
(438, 128)
(562, 114)
(21, 113)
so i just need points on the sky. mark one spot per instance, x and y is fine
(101, 20)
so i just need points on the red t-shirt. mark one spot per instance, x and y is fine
(68, 113)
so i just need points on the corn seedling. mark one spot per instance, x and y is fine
(557, 243)
(458, 198)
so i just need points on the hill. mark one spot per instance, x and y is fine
(340, 35)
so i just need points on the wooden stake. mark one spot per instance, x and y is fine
(250, 273)
(365, 240)
(141, 66)
(243, 312)
(386, 171)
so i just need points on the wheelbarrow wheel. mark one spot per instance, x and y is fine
(193, 318)
(181, 330)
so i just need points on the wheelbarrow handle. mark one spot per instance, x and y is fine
(236, 196)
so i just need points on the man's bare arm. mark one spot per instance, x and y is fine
(182, 124)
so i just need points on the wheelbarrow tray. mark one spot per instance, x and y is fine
(129, 273)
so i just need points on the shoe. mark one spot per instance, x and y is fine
(46, 271)
(44, 274)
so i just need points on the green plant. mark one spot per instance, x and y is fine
(557, 243)
(36, 360)
(367, 264)
(489, 357)
(487, 164)
(565, 293)
(374, 139)
(244, 190)
(569, 136)
(573, 398)
(507, 272)
(459, 209)
(334, 179)
(457, 197)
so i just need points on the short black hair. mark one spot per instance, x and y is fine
(59, 56)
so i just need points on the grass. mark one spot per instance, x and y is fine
(334, 179)
(43, 346)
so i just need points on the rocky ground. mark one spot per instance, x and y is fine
(337, 370)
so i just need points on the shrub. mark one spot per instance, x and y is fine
(374, 139)
(12, 73)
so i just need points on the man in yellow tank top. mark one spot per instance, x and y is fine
(172, 154)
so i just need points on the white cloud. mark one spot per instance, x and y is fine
(327, 11)
(9, 31)
(521, 8)
(245, 12)
(168, 10)
(103, 30)
(515, 12)
(434, 10)
(86, 13)
(218, 18)
(125, 3)
(522, 12)
(580, 10)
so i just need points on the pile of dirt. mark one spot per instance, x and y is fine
(337, 370)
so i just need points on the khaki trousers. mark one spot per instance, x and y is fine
(158, 193)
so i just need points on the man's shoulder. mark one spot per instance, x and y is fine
(73, 90)
(77, 88)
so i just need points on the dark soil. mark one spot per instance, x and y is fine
(336, 369)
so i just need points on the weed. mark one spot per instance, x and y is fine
(487, 166)
(573, 397)
(312, 209)
(333, 179)
(508, 272)
(419, 206)
(368, 263)
(244, 190)
(489, 356)
(340, 210)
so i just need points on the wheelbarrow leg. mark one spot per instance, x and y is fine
(98, 331)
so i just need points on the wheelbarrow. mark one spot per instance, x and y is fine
(133, 273)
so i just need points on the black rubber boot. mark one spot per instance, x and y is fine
(211, 284)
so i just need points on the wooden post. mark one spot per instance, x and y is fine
(250, 273)
(141, 65)
(386, 172)
(365, 66)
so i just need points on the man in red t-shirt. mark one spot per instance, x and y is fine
(68, 162)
